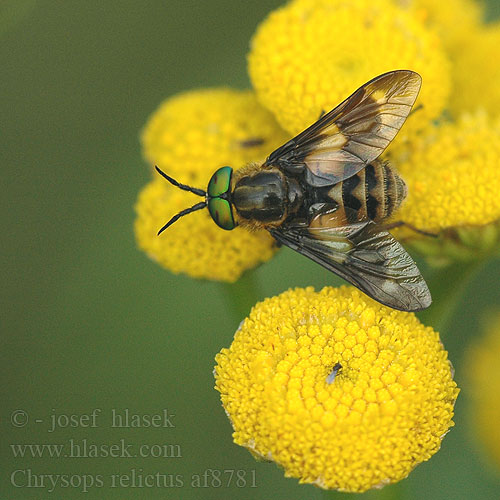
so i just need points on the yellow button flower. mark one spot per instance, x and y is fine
(195, 245)
(453, 20)
(472, 47)
(484, 377)
(453, 182)
(192, 134)
(309, 55)
(346, 418)
(476, 73)
(189, 137)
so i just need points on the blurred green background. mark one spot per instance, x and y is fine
(87, 320)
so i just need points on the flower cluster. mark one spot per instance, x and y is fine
(340, 391)
(456, 182)
(309, 55)
(305, 58)
(453, 184)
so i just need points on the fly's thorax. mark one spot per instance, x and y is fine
(374, 193)
(295, 196)
(260, 196)
(265, 196)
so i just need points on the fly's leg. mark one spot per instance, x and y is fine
(252, 142)
(401, 223)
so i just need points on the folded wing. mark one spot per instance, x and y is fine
(353, 134)
(365, 255)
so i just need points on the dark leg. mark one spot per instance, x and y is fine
(401, 223)
(252, 142)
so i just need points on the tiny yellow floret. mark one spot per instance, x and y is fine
(357, 426)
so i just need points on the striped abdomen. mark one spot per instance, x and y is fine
(373, 193)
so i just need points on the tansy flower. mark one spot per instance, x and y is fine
(189, 137)
(484, 376)
(195, 245)
(337, 389)
(453, 20)
(453, 183)
(472, 47)
(476, 73)
(309, 55)
(192, 134)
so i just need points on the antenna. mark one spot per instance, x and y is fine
(175, 218)
(197, 191)
(187, 211)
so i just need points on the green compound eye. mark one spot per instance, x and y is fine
(220, 182)
(221, 213)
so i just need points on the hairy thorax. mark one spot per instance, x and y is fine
(264, 197)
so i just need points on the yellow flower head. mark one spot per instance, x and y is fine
(339, 390)
(453, 20)
(189, 137)
(453, 177)
(485, 389)
(195, 245)
(192, 134)
(309, 55)
(476, 73)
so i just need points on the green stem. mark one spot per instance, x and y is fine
(447, 286)
(390, 492)
(330, 495)
(242, 295)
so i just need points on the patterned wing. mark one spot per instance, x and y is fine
(365, 255)
(353, 134)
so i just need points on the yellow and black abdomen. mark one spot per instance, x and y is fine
(374, 193)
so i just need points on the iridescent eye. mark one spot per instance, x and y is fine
(220, 182)
(221, 213)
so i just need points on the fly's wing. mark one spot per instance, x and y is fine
(365, 255)
(353, 134)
